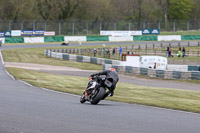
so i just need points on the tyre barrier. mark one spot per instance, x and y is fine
(107, 64)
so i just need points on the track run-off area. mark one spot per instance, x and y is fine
(29, 109)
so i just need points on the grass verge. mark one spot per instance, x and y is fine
(186, 81)
(159, 97)
(36, 55)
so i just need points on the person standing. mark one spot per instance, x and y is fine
(95, 52)
(120, 51)
(113, 53)
(167, 52)
(170, 52)
(183, 52)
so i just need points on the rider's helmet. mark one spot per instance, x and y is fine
(112, 69)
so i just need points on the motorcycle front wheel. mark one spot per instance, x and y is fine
(82, 99)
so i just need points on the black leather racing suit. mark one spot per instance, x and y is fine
(111, 76)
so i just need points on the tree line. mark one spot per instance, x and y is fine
(100, 10)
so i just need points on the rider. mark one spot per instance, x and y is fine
(110, 75)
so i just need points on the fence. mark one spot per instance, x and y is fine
(158, 49)
(85, 27)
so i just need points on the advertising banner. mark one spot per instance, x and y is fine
(1, 34)
(15, 32)
(150, 31)
(120, 33)
(7, 33)
(26, 33)
(120, 38)
(49, 33)
(38, 33)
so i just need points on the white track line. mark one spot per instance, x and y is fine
(60, 92)
(25, 83)
(1, 57)
(4, 64)
(10, 75)
(32, 85)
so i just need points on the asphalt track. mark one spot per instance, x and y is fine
(27, 109)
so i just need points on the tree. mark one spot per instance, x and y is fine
(67, 8)
(180, 9)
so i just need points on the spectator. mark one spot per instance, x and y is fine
(95, 52)
(170, 52)
(108, 53)
(179, 48)
(104, 52)
(154, 65)
(120, 51)
(167, 52)
(113, 53)
(179, 54)
(0, 43)
(183, 52)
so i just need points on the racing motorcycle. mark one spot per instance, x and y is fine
(95, 90)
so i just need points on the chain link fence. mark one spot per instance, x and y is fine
(90, 27)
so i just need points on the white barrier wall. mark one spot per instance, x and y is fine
(2, 40)
(75, 38)
(33, 39)
(170, 38)
(120, 38)
(177, 67)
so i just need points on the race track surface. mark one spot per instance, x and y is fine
(26, 109)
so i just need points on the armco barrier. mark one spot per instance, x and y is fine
(107, 64)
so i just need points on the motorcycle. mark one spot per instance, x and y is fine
(95, 90)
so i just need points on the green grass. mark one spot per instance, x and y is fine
(190, 58)
(36, 55)
(191, 32)
(185, 81)
(158, 97)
